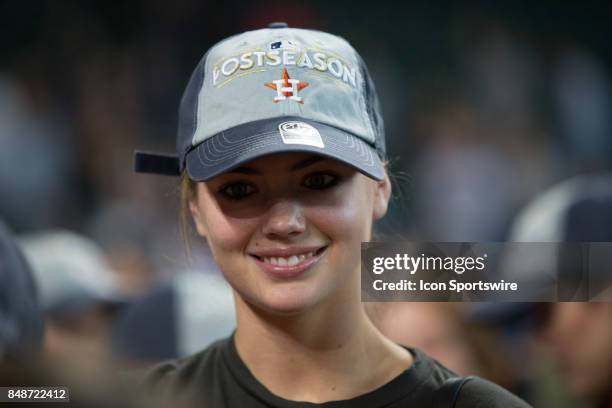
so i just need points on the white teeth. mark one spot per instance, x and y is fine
(291, 261)
(271, 260)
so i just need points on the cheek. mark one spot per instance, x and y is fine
(227, 234)
(346, 222)
(351, 216)
(228, 239)
(223, 233)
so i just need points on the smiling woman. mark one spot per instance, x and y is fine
(283, 175)
(285, 228)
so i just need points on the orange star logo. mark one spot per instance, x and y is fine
(287, 88)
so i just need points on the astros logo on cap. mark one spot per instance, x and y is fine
(287, 88)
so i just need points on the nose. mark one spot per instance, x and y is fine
(285, 219)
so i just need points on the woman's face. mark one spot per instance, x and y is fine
(286, 229)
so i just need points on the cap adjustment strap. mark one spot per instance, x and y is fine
(156, 163)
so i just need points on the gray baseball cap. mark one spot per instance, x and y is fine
(274, 90)
(71, 272)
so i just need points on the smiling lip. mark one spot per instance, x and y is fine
(288, 262)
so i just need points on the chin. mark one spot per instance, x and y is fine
(288, 300)
(283, 299)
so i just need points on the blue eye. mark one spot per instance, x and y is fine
(237, 190)
(320, 181)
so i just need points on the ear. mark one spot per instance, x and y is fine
(198, 219)
(381, 198)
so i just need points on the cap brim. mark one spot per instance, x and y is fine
(249, 141)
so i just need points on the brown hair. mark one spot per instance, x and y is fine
(188, 192)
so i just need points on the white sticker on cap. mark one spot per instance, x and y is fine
(300, 133)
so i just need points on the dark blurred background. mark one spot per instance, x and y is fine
(486, 105)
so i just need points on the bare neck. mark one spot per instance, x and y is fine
(336, 351)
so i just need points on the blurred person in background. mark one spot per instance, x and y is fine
(177, 318)
(79, 295)
(21, 320)
(127, 234)
(578, 334)
(23, 361)
(575, 336)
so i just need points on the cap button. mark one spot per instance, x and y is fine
(279, 24)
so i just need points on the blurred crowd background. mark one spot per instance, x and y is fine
(487, 105)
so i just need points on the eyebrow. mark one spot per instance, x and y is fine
(298, 166)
